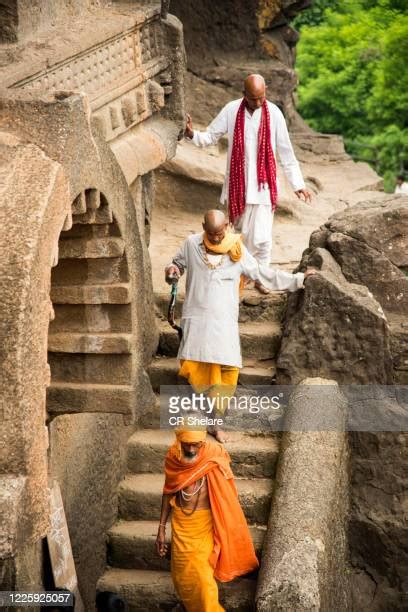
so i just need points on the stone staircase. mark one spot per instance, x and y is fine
(135, 571)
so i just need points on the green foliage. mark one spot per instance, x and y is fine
(353, 80)
(314, 15)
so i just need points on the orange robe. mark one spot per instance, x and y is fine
(232, 552)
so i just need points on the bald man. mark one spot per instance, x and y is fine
(210, 351)
(257, 132)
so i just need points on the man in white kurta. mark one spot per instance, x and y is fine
(255, 224)
(211, 305)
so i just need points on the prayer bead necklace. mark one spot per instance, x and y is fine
(208, 262)
(188, 496)
(196, 492)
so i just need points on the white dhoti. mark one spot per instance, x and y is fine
(255, 226)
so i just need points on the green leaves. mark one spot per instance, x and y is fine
(353, 81)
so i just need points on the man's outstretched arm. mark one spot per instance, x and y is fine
(272, 278)
(217, 128)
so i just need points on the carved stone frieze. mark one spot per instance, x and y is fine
(117, 75)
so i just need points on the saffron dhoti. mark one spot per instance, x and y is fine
(213, 379)
(191, 546)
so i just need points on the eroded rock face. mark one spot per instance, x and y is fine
(333, 328)
(349, 324)
(377, 528)
(226, 41)
(380, 225)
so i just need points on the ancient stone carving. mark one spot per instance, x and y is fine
(116, 75)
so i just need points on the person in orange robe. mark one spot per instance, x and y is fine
(210, 537)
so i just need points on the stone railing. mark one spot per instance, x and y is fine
(304, 556)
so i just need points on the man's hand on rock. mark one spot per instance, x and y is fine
(304, 194)
(172, 273)
(310, 272)
(188, 132)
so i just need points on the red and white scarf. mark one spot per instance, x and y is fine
(266, 164)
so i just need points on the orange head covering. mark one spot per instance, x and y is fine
(189, 436)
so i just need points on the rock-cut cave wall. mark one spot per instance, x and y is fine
(226, 41)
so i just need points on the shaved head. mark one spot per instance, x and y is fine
(215, 225)
(254, 82)
(254, 91)
(214, 220)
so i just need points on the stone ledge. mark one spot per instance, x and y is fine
(91, 294)
(90, 343)
(63, 398)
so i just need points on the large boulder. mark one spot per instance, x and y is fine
(369, 243)
(333, 328)
(368, 266)
(381, 225)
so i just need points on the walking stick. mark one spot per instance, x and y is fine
(172, 307)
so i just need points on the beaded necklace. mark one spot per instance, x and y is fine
(208, 262)
(189, 496)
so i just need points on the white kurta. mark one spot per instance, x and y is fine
(211, 306)
(224, 123)
(403, 188)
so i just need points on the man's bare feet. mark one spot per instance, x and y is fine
(219, 435)
(261, 288)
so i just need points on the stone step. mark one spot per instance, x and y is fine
(257, 372)
(131, 545)
(77, 318)
(89, 343)
(102, 271)
(140, 497)
(76, 397)
(253, 306)
(77, 248)
(259, 339)
(91, 294)
(150, 419)
(153, 591)
(252, 456)
(90, 368)
(163, 371)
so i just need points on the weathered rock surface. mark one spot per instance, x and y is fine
(213, 38)
(338, 328)
(378, 532)
(332, 329)
(365, 265)
(381, 225)
(369, 243)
